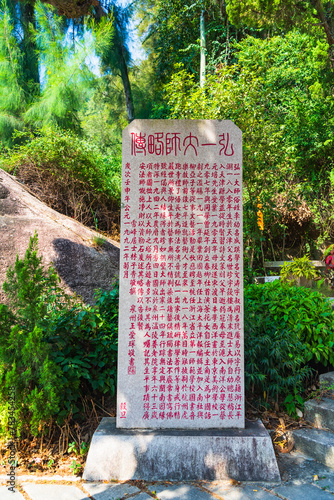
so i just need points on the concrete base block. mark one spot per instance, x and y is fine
(181, 455)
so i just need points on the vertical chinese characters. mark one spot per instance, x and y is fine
(182, 263)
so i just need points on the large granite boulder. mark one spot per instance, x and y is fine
(82, 265)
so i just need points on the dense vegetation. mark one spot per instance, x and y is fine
(71, 175)
(270, 69)
(53, 349)
(67, 88)
(59, 354)
(285, 328)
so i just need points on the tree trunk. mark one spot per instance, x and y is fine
(328, 26)
(203, 47)
(127, 87)
(73, 9)
(29, 48)
(122, 67)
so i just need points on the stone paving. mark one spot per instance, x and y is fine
(302, 479)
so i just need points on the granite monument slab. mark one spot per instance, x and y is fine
(180, 359)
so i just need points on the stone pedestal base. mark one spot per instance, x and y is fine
(181, 455)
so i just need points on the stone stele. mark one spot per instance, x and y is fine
(180, 394)
(180, 359)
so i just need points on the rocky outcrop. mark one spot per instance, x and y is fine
(71, 247)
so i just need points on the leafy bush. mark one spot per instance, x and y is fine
(53, 349)
(299, 268)
(69, 174)
(30, 289)
(274, 356)
(302, 313)
(24, 355)
(25, 364)
(84, 345)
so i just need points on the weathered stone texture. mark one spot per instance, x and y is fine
(64, 242)
(167, 454)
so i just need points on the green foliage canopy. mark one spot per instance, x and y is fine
(174, 31)
(264, 13)
(283, 106)
(303, 14)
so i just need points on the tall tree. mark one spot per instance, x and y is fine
(116, 57)
(67, 75)
(28, 47)
(13, 98)
(172, 34)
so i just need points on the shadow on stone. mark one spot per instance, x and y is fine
(85, 269)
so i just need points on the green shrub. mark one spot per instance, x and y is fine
(303, 313)
(84, 345)
(69, 174)
(54, 350)
(25, 364)
(24, 354)
(299, 268)
(30, 289)
(274, 356)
